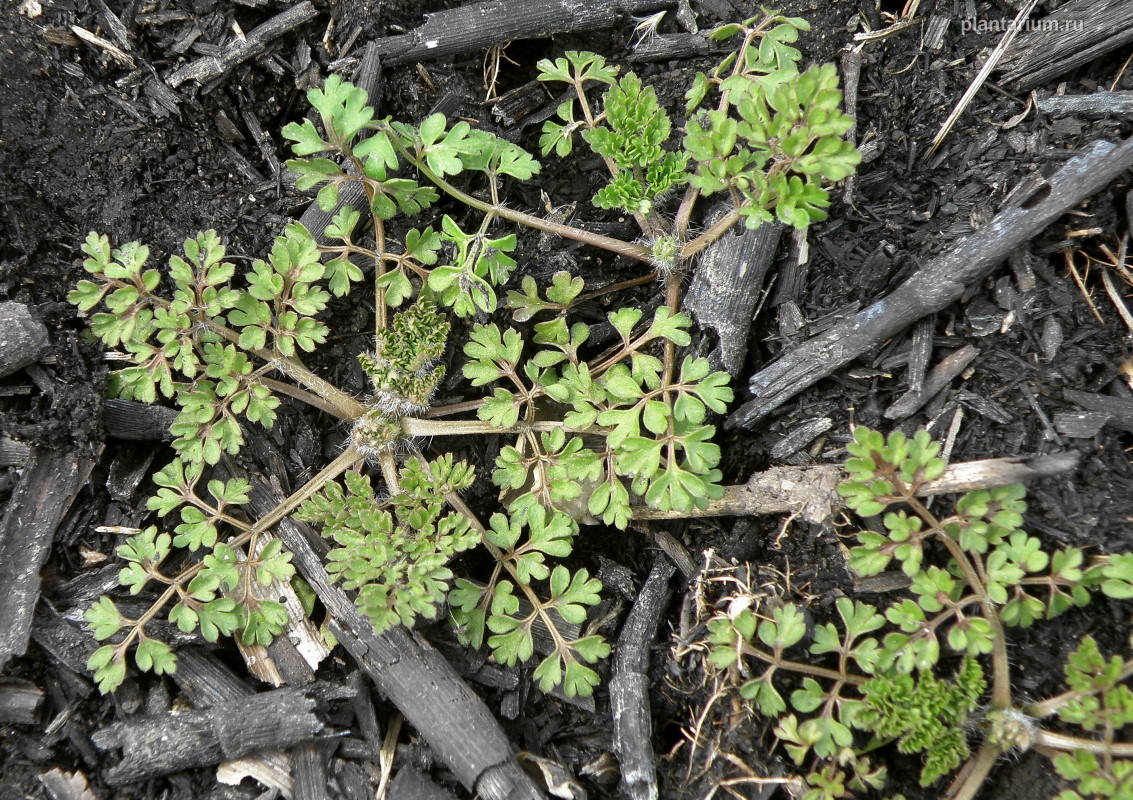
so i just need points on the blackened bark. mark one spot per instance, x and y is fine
(1074, 34)
(169, 743)
(941, 282)
(50, 483)
(479, 25)
(629, 687)
(23, 338)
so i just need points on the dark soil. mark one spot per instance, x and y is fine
(86, 143)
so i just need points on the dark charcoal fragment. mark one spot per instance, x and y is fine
(155, 746)
(23, 338)
(941, 376)
(629, 686)
(476, 26)
(126, 419)
(1098, 104)
(800, 436)
(1080, 424)
(1120, 410)
(409, 784)
(727, 283)
(255, 43)
(50, 483)
(1076, 33)
(19, 702)
(65, 643)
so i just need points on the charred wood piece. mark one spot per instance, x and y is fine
(1118, 409)
(1075, 34)
(800, 436)
(629, 686)
(49, 485)
(409, 784)
(13, 453)
(127, 419)
(205, 681)
(154, 746)
(19, 702)
(936, 381)
(729, 276)
(23, 338)
(920, 350)
(515, 106)
(672, 46)
(255, 43)
(938, 284)
(1080, 424)
(1098, 104)
(64, 642)
(494, 22)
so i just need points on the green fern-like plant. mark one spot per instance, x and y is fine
(395, 554)
(635, 129)
(595, 434)
(877, 670)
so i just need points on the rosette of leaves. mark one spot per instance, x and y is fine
(589, 433)
(394, 554)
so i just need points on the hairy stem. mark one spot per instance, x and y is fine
(615, 287)
(416, 426)
(455, 408)
(722, 226)
(310, 398)
(1061, 741)
(972, 775)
